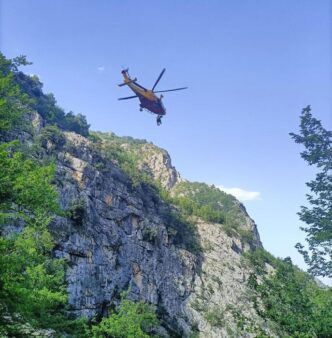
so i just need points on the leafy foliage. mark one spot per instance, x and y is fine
(20, 93)
(31, 281)
(115, 149)
(318, 151)
(77, 211)
(182, 230)
(215, 317)
(32, 285)
(46, 106)
(12, 100)
(52, 135)
(290, 297)
(206, 212)
(213, 205)
(24, 184)
(207, 195)
(130, 320)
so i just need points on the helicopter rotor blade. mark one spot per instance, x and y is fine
(127, 98)
(138, 85)
(159, 77)
(170, 90)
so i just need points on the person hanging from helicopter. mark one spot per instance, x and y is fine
(159, 120)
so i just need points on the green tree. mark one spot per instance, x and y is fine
(290, 297)
(12, 101)
(24, 185)
(31, 281)
(318, 152)
(76, 123)
(130, 320)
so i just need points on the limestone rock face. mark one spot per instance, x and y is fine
(220, 304)
(121, 240)
(119, 236)
(153, 160)
(158, 163)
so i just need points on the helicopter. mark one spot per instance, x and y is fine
(148, 98)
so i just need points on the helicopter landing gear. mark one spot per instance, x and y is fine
(159, 120)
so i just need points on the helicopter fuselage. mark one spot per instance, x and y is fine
(148, 100)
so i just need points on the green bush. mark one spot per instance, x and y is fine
(126, 160)
(31, 280)
(52, 135)
(129, 320)
(150, 233)
(215, 317)
(182, 230)
(77, 211)
(206, 212)
(290, 297)
(212, 205)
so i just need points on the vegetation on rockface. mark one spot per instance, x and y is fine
(181, 230)
(289, 297)
(198, 199)
(126, 152)
(77, 211)
(51, 137)
(205, 212)
(213, 205)
(12, 101)
(211, 196)
(32, 286)
(190, 199)
(129, 320)
(318, 218)
(122, 151)
(20, 93)
(46, 106)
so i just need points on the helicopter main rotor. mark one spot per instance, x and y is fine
(152, 90)
(167, 90)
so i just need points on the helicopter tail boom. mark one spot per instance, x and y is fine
(127, 82)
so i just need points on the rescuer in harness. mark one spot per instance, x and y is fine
(159, 120)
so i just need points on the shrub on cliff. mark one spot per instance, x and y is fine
(130, 320)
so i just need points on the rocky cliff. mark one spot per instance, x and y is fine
(119, 234)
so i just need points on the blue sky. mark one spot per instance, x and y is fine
(250, 66)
